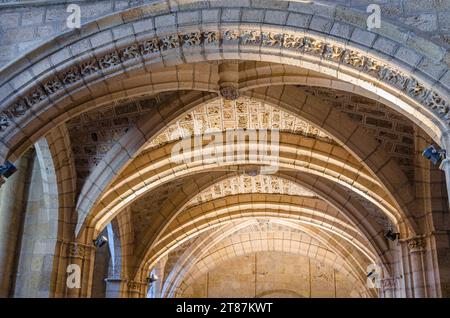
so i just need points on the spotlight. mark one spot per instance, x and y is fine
(152, 278)
(391, 236)
(435, 156)
(100, 241)
(370, 273)
(7, 170)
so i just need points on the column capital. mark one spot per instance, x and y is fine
(76, 250)
(134, 286)
(136, 289)
(416, 244)
(389, 283)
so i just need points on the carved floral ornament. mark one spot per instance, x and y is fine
(416, 244)
(134, 286)
(303, 44)
(77, 250)
(389, 283)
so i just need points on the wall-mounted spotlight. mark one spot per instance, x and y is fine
(392, 236)
(434, 155)
(7, 170)
(100, 241)
(152, 278)
(369, 274)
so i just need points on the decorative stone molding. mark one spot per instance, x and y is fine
(303, 44)
(77, 250)
(416, 244)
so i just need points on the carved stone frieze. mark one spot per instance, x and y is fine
(303, 44)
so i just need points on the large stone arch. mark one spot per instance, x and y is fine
(161, 170)
(350, 212)
(197, 271)
(268, 45)
(329, 120)
(187, 264)
(354, 213)
(46, 87)
(289, 211)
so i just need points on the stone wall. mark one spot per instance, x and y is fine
(272, 274)
(26, 24)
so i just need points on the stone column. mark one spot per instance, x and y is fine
(159, 271)
(113, 287)
(13, 194)
(80, 255)
(416, 248)
(445, 166)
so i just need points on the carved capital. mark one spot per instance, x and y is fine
(77, 250)
(389, 283)
(416, 244)
(134, 286)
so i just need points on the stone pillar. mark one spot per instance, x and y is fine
(159, 271)
(416, 247)
(13, 196)
(445, 166)
(82, 256)
(113, 287)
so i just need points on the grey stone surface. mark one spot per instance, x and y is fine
(22, 27)
(275, 17)
(424, 22)
(253, 15)
(299, 20)
(385, 45)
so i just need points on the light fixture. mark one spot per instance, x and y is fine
(370, 273)
(7, 170)
(152, 278)
(100, 241)
(392, 236)
(434, 155)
